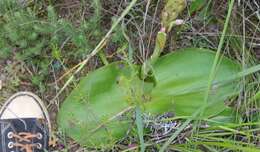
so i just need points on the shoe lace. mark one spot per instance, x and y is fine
(25, 137)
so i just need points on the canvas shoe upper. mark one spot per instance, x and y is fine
(24, 124)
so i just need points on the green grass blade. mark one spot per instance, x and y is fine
(229, 145)
(217, 57)
(211, 78)
(179, 130)
(140, 127)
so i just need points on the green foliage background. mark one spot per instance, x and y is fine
(43, 41)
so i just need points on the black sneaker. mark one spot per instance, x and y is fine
(25, 124)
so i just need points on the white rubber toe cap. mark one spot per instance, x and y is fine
(23, 105)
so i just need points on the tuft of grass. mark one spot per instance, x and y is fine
(43, 42)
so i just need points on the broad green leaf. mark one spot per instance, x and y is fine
(181, 80)
(91, 114)
(98, 112)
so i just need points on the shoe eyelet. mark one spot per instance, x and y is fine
(10, 135)
(39, 146)
(39, 136)
(10, 145)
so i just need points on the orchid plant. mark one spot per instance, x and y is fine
(100, 110)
